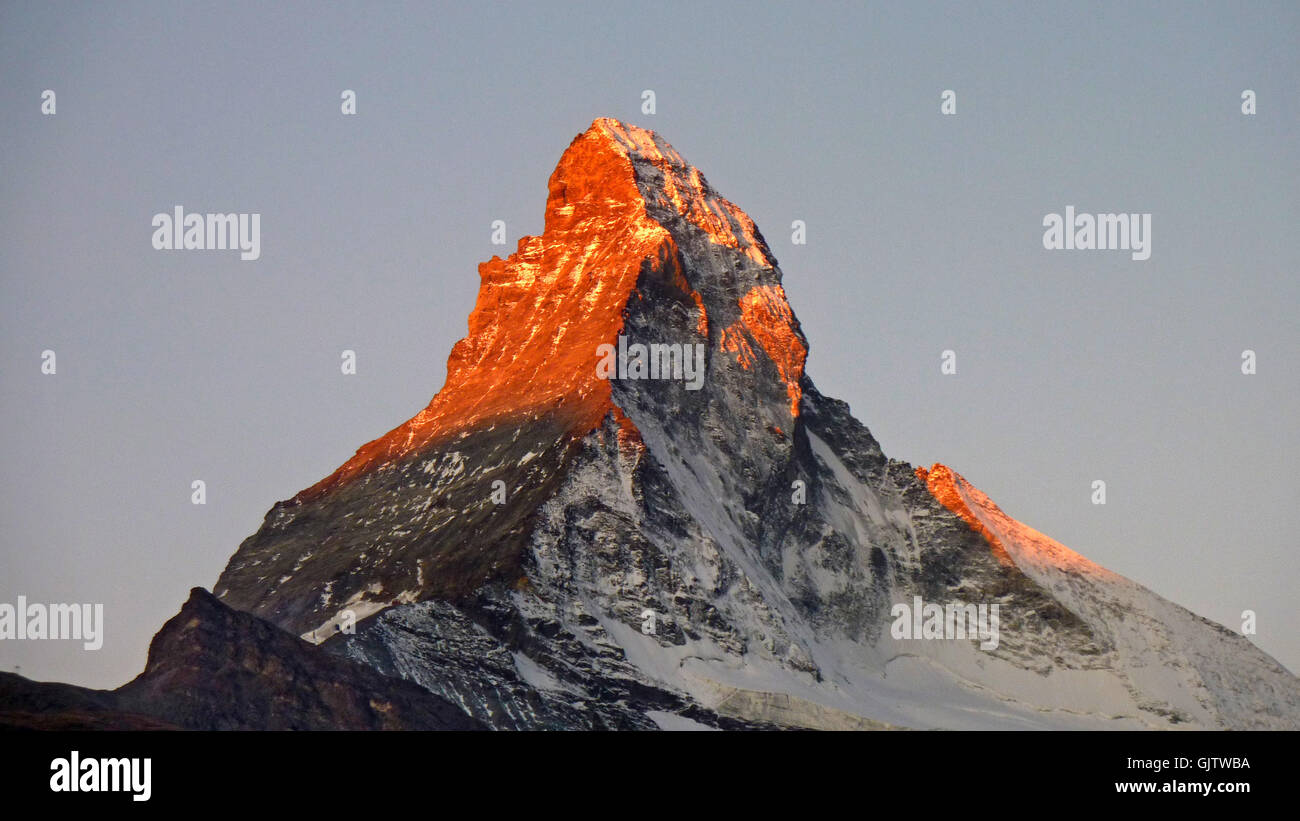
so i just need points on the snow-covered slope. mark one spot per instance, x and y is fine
(1164, 653)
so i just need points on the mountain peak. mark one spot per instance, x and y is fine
(621, 202)
(550, 545)
(669, 182)
(638, 252)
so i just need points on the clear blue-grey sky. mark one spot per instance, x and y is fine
(924, 234)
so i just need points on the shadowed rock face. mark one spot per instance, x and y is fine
(730, 555)
(47, 705)
(213, 668)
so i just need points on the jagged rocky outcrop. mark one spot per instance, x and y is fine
(722, 557)
(214, 668)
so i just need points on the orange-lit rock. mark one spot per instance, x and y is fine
(942, 483)
(768, 317)
(1012, 542)
(684, 187)
(542, 312)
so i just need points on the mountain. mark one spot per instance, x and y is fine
(214, 668)
(630, 508)
(506, 547)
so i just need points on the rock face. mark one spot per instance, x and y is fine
(547, 548)
(47, 705)
(213, 668)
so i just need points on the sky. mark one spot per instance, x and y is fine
(924, 234)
